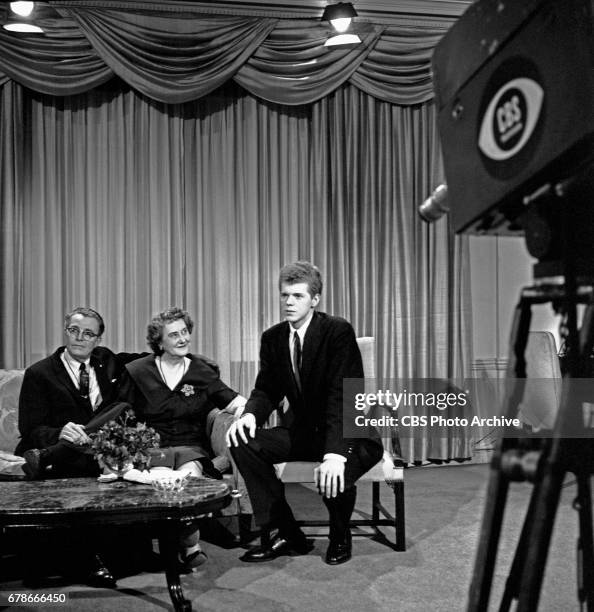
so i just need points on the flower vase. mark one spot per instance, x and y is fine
(118, 467)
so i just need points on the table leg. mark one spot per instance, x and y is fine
(168, 544)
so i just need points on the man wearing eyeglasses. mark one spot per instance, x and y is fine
(62, 393)
(60, 396)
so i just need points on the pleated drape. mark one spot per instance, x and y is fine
(13, 173)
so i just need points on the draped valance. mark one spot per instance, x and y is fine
(175, 57)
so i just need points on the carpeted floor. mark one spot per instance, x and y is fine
(444, 508)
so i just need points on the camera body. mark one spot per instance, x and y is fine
(514, 86)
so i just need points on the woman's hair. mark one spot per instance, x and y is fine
(154, 332)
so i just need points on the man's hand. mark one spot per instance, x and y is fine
(238, 427)
(75, 433)
(329, 477)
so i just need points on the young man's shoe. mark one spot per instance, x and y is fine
(339, 550)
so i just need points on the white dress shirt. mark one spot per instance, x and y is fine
(301, 333)
(73, 368)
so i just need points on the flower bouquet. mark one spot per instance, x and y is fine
(124, 443)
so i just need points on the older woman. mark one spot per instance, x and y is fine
(173, 391)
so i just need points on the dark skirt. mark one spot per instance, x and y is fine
(175, 456)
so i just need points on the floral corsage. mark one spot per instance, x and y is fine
(187, 390)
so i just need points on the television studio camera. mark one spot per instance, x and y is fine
(514, 88)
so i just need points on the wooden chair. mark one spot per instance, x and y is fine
(387, 471)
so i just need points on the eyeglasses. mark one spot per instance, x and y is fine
(76, 333)
(182, 333)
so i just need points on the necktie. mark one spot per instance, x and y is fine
(297, 359)
(83, 381)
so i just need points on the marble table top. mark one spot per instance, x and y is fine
(41, 501)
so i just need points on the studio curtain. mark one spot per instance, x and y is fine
(13, 153)
(130, 206)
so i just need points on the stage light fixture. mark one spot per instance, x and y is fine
(339, 15)
(23, 9)
(341, 40)
(23, 28)
(20, 18)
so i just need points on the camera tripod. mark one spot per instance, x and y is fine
(542, 461)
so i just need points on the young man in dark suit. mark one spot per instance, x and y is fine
(59, 397)
(304, 359)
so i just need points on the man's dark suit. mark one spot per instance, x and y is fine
(330, 354)
(49, 399)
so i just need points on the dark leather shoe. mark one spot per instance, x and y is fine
(193, 560)
(277, 547)
(33, 466)
(339, 552)
(99, 576)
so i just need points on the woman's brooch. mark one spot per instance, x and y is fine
(187, 390)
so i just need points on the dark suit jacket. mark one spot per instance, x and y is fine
(330, 354)
(49, 398)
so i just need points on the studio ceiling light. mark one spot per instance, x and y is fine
(24, 9)
(342, 39)
(339, 15)
(22, 27)
(20, 18)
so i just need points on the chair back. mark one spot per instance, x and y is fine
(542, 392)
(367, 348)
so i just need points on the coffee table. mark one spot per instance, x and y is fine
(84, 502)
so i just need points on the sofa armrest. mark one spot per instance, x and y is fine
(10, 389)
(11, 467)
(217, 424)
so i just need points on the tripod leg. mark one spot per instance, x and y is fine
(583, 504)
(512, 584)
(546, 503)
(486, 555)
(587, 339)
(480, 588)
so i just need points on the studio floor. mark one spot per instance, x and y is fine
(444, 507)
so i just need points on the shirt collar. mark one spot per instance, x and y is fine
(73, 363)
(301, 331)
